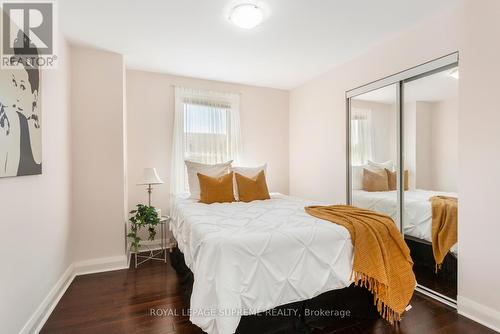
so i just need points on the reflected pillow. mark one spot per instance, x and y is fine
(214, 170)
(375, 180)
(381, 165)
(216, 189)
(392, 180)
(252, 189)
(357, 176)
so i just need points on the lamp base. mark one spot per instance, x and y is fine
(150, 190)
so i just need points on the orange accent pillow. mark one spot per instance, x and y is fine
(252, 189)
(216, 189)
(375, 180)
(391, 177)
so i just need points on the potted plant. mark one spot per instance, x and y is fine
(143, 216)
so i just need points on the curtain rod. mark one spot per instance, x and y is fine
(212, 90)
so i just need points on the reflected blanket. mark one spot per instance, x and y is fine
(444, 226)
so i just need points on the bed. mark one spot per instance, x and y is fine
(417, 209)
(251, 257)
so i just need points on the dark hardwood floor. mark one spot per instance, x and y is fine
(121, 302)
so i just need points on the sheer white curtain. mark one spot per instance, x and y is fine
(361, 136)
(206, 129)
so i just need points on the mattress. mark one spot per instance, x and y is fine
(251, 257)
(417, 209)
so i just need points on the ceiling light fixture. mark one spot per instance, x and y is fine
(246, 16)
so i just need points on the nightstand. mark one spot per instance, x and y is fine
(158, 251)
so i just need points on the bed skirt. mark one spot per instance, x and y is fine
(327, 309)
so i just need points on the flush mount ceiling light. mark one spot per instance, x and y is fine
(246, 16)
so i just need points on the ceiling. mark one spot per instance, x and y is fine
(436, 87)
(298, 40)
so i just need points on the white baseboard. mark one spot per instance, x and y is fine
(100, 265)
(479, 313)
(42, 313)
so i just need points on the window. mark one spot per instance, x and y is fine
(206, 130)
(361, 136)
(206, 133)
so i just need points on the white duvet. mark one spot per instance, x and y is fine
(251, 257)
(417, 209)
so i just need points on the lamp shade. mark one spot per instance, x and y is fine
(150, 176)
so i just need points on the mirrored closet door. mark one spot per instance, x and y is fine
(402, 162)
(373, 147)
(430, 149)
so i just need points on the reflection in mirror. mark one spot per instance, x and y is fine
(430, 149)
(373, 148)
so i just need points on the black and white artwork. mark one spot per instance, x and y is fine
(20, 120)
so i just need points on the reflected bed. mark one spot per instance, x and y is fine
(417, 209)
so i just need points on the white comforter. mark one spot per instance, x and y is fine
(251, 257)
(417, 209)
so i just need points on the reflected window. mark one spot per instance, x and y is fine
(361, 136)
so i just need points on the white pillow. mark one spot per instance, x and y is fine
(381, 165)
(357, 177)
(247, 172)
(193, 168)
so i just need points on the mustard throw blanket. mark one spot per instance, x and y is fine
(444, 226)
(382, 261)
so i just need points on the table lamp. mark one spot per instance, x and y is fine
(150, 177)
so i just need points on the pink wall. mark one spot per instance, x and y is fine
(479, 161)
(150, 111)
(35, 212)
(74, 211)
(317, 135)
(98, 156)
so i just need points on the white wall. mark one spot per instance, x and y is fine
(35, 211)
(150, 109)
(318, 149)
(98, 156)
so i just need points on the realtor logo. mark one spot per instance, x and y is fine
(28, 34)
